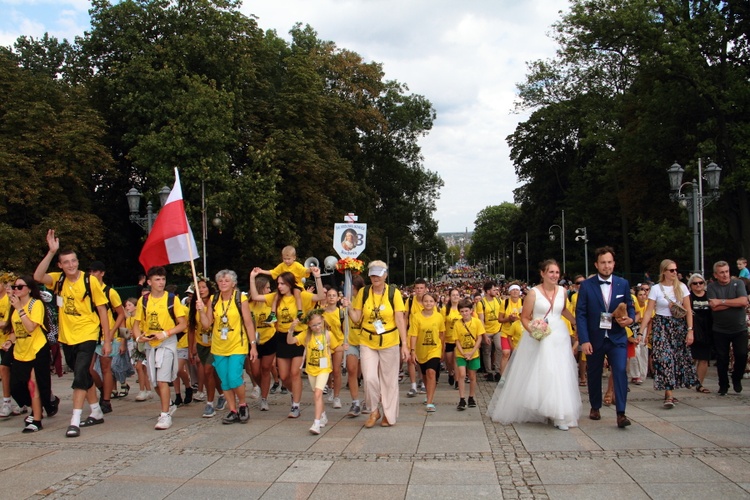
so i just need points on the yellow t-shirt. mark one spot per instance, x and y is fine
(427, 330)
(316, 349)
(355, 332)
(156, 318)
(286, 310)
(78, 323)
(29, 343)
(298, 270)
(512, 308)
(492, 309)
(333, 320)
(377, 307)
(236, 339)
(260, 312)
(202, 335)
(451, 317)
(467, 335)
(4, 315)
(114, 302)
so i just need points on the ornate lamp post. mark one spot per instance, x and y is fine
(526, 248)
(584, 237)
(562, 238)
(134, 204)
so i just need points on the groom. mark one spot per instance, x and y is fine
(601, 334)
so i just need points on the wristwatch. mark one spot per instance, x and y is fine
(723, 301)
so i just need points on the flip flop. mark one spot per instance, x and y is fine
(92, 421)
(73, 431)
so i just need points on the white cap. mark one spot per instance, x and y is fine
(377, 271)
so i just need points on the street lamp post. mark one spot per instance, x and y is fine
(134, 203)
(695, 201)
(562, 238)
(526, 248)
(583, 236)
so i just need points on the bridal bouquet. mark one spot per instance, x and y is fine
(539, 329)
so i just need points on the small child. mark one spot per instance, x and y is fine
(317, 342)
(742, 266)
(289, 264)
(469, 331)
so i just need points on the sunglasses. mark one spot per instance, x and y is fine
(698, 283)
(672, 270)
(17, 287)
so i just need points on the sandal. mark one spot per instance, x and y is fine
(124, 390)
(668, 403)
(114, 394)
(73, 431)
(702, 389)
(582, 383)
(608, 399)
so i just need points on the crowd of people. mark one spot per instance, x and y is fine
(539, 344)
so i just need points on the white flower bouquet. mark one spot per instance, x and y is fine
(539, 329)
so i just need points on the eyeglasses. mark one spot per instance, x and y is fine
(698, 283)
(17, 287)
(672, 270)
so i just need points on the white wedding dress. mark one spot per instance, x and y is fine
(541, 381)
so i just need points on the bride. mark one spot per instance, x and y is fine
(541, 378)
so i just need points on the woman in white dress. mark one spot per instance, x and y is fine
(541, 377)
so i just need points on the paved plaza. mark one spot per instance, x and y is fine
(700, 449)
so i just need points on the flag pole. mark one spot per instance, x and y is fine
(192, 263)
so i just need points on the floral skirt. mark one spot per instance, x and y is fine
(673, 364)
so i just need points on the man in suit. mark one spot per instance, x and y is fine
(601, 334)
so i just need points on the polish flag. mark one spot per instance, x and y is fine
(171, 239)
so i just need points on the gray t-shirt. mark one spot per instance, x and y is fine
(730, 320)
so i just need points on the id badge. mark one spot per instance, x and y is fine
(605, 321)
(59, 301)
(224, 332)
(204, 338)
(379, 328)
(323, 362)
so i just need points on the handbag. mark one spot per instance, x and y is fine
(675, 308)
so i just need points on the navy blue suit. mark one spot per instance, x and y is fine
(614, 345)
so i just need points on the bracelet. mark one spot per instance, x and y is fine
(21, 314)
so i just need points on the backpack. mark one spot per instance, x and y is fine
(49, 327)
(87, 285)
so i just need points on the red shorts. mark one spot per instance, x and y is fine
(505, 344)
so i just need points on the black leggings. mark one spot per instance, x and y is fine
(21, 374)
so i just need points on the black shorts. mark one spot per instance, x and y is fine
(701, 351)
(6, 357)
(450, 347)
(267, 349)
(431, 364)
(78, 357)
(285, 350)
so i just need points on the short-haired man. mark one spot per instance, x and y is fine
(491, 313)
(157, 321)
(727, 298)
(83, 323)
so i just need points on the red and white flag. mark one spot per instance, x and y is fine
(171, 239)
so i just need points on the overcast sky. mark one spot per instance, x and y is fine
(465, 56)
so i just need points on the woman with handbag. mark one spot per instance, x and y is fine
(670, 332)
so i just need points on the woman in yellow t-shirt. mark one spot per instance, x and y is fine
(352, 354)
(333, 315)
(451, 315)
(233, 332)
(316, 340)
(263, 366)
(426, 337)
(31, 383)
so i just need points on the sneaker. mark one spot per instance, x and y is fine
(177, 400)
(294, 412)
(199, 396)
(284, 390)
(461, 405)
(256, 392)
(467, 380)
(188, 395)
(365, 409)
(354, 411)
(195, 387)
(455, 386)
(737, 386)
(490, 377)
(498, 377)
(244, 414)
(323, 420)
(54, 406)
(315, 429)
(209, 411)
(263, 405)
(172, 409)
(271, 318)
(411, 393)
(142, 395)
(422, 388)
(106, 406)
(164, 422)
(20, 410)
(231, 418)
(274, 387)
(337, 403)
(326, 392)
(472, 402)
(451, 379)
(6, 410)
(221, 403)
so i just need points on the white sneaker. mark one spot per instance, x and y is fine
(323, 420)
(337, 402)
(6, 410)
(172, 409)
(330, 397)
(315, 429)
(164, 423)
(142, 396)
(256, 392)
(263, 405)
(19, 410)
(199, 396)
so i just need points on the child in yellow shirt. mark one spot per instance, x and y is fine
(289, 264)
